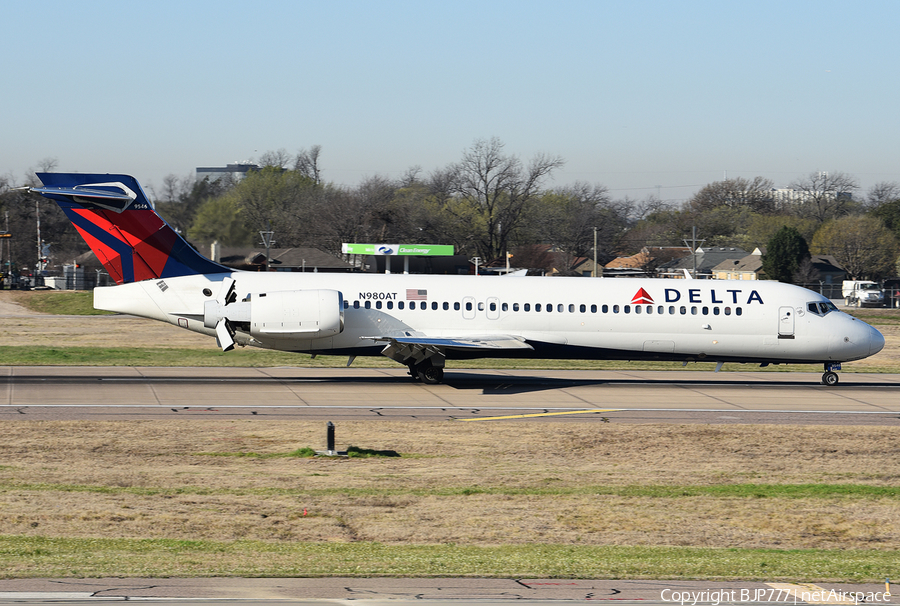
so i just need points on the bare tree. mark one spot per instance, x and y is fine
(48, 164)
(568, 217)
(883, 192)
(755, 194)
(641, 209)
(278, 159)
(824, 195)
(498, 189)
(307, 163)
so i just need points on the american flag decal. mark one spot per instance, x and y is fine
(413, 294)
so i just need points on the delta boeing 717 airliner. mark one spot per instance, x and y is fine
(422, 320)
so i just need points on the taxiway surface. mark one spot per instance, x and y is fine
(472, 395)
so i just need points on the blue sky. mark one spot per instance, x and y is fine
(643, 97)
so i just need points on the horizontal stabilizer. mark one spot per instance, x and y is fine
(117, 200)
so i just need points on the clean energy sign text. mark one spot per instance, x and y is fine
(382, 250)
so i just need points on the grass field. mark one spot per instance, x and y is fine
(209, 497)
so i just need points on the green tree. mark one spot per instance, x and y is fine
(182, 198)
(785, 253)
(284, 201)
(862, 244)
(220, 219)
(889, 214)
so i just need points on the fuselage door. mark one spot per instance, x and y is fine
(785, 322)
(468, 308)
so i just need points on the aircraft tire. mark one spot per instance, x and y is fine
(431, 375)
(830, 378)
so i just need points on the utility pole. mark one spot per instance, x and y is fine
(8, 251)
(37, 211)
(267, 241)
(476, 261)
(694, 248)
(595, 253)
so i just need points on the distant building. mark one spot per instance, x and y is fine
(645, 263)
(745, 268)
(704, 260)
(214, 173)
(297, 259)
(824, 269)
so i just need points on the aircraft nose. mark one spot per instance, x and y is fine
(876, 341)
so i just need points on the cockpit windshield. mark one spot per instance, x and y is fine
(820, 308)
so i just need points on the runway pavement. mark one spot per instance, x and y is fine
(471, 395)
(378, 591)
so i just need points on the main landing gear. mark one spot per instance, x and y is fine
(830, 377)
(426, 372)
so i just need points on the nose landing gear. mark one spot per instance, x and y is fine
(830, 377)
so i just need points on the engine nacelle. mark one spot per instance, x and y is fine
(289, 314)
(297, 314)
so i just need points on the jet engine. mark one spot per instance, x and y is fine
(288, 314)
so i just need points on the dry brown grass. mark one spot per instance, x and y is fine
(158, 483)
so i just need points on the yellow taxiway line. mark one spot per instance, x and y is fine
(544, 414)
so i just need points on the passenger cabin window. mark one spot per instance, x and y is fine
(527, 307)
(399, 304)
(390, 305)
(446, 306)
(468, 306)
(515, 307)
(456, 306)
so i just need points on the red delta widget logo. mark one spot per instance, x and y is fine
(734, 296)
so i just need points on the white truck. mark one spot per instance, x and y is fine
(862, 293)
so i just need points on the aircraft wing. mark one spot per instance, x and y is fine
(493, 342)
(413, 349)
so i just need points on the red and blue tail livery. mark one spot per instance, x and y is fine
(117, 221)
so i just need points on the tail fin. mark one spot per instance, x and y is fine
(115, 218)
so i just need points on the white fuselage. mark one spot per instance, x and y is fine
(664, 319)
